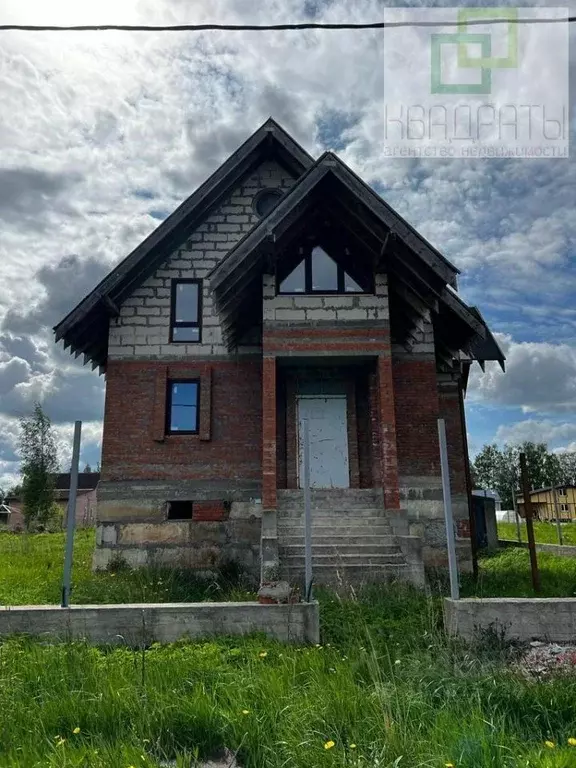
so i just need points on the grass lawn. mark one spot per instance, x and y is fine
(31, 574)
(386, 689)
(544, 533)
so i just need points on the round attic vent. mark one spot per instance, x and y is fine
(265, 201)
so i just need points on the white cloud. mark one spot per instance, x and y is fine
(539, 376)
(557, 435)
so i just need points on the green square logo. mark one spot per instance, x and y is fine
(497, 62)
(460, 39)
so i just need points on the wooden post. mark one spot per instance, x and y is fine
(557, 515)
(529, 526)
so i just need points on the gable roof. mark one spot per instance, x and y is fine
(85, 328)
(458, 325)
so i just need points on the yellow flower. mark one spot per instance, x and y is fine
(76, 730)
(328, 745)
(60, 742)
(572, 742)
(449, 765)
(549, 744)
(245, 711)
(263, 654)
(352, 746)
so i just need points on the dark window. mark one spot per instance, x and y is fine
(182, 408)
(562, 491)
(186, 311)
(319, 273)
(266, 201)
(179, 510)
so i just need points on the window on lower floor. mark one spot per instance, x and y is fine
(179, 510)
(182, 410)
(564, 507)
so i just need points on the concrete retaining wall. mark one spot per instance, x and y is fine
(135, 625)
(554, 549)
(525, 619)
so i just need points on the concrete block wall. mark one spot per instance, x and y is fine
(143, 326)
(327, 308)
(143, 624)
(524, 619)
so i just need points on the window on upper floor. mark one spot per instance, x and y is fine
(186, 311)
(182, 411)
(318, 272)
(562, 491)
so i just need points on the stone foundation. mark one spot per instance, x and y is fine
(422, 499)
(139, 535)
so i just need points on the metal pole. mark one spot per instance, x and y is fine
(517, 517)
(307, 515)
(71, 520)
(556, 511)
(529, 526)
(450, 538)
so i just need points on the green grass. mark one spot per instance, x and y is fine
(544, 533)
(507, 574)
(31, 568)
(385, 679)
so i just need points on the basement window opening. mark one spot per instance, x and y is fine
(179, 510)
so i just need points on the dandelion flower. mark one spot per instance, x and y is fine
(572, 742)
(76, 730)
(397, 661)
(329, 745)
(352, 746)
(449, 765)
(549, 744)
(263, 654)
(245, 711)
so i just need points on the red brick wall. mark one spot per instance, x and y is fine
(417, 411)
(322, 339)
(229, 445)
(450, 411)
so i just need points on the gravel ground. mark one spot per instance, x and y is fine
(543, 660)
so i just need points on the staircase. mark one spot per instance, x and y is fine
(352, 538)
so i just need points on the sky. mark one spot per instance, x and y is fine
(103, 134)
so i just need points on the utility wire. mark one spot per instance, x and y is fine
(270, 27)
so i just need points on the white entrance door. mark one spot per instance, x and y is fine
(328, 434)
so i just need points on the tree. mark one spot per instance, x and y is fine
(39, 464)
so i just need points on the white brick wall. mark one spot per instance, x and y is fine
(143, 326)
(331, 308)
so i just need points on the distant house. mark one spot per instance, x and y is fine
(552, 503)
(12, 517)
(284, 294)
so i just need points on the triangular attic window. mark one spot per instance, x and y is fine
(319, 273)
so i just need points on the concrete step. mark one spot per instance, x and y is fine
(338, 548)
(355, 558)
(319, 511)
(331, 540)
(331, 575)
(328, 526)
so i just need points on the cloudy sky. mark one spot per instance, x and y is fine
(103, 134)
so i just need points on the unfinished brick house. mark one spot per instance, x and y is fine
(283, 290)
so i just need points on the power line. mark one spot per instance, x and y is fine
(270, 27)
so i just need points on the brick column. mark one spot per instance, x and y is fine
(269, 481)
(387, 419)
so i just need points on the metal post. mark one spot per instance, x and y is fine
(517, 517)
(450, 538)
(529, 526)
(307, 514)
(71, 519)
(556, 511)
